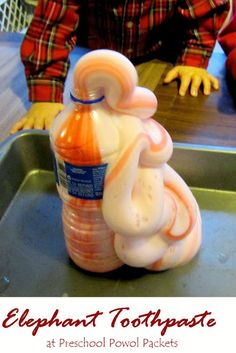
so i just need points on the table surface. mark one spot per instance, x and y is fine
(208, 120)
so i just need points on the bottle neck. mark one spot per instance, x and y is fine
(91, 97)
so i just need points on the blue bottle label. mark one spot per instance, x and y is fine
(84, 182)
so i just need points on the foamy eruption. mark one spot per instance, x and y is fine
(146, 215)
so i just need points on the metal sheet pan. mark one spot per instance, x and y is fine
(33, 257)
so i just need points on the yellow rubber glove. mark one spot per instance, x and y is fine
(39, 116)
(193, 78)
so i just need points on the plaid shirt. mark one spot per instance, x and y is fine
(135, 28)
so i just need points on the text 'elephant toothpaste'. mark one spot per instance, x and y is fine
(122, 203)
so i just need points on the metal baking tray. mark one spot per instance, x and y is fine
(33, 258)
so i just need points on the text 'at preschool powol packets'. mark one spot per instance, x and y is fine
(116, 325)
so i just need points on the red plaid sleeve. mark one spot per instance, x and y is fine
(227, 39)
(206, 19)
(46, 47)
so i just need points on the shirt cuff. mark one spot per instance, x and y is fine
(195, 58)
(43, 90)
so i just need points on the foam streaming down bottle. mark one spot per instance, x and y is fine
(122, 203)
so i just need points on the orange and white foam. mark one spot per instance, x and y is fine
(148, 217)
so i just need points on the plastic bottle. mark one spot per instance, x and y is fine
(122, 203)
(80, 177)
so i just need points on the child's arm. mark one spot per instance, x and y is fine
(204, 18)
(45, 55)
(227, 39)
(46, 47)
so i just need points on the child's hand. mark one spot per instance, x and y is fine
(39, 116)
(192, 77)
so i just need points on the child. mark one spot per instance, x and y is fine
(139, 29)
